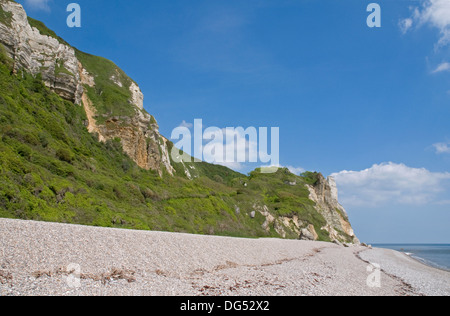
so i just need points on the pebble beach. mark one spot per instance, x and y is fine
(40, 259)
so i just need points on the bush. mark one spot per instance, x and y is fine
(64, 154)
(43, 140)
(31, 139)
(4, 58)
(126, 165)
(311, 177)
(118, 193)
(24, 151)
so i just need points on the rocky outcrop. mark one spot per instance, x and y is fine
(325, 194)
(137, 98)
(140, 140)
(63, 73)
(283, 225)
(309, 233)
(40, 54)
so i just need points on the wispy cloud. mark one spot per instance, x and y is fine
(38, 4)
(432, 12)
(392, 184)
(186, 124)
(296, 170)
(442, 67)
(405, 25)
(442, 148)
(231, 145)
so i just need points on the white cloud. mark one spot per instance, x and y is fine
(232, 147)
(442, 148)
(405, 25)
(394, 184)
(442, 67)
(186, 124)
(296, 170)
(432, 12)
(236, 166)
(38, 4)
(444, 202)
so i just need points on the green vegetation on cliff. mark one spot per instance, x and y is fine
(5, 17)
(107, 96)
(53, 169)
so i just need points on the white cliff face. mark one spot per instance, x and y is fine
(37, 53)
(333, 188)
(137, 97)
(165, 159)
(325, 194)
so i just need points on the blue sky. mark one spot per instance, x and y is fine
(370, 106)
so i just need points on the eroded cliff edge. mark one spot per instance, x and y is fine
(331, 221)
(325, 194)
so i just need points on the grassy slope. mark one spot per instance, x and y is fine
(52, 169)
(108, 98)
(5, 17)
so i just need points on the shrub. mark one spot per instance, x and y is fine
(24, 151)
(31, 139)
(126, 165)
(118, 192)
(64, 154)
(311, 177)
(4, 58)
(43, 140)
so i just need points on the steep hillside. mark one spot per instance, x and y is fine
(77, 146)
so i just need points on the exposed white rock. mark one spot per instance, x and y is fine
(38, 53)
(325, 194)
(137, 97)
(264, 211)
(186, 171)
(165, 159)
(309, 233)
(333, 188)
(85, 76)
(280, 224)
(116, 80)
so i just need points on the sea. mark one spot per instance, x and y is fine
(434, 255)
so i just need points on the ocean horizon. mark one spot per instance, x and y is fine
(434, 255)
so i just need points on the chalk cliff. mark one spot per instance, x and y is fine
(37, 53)
(325, 194)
